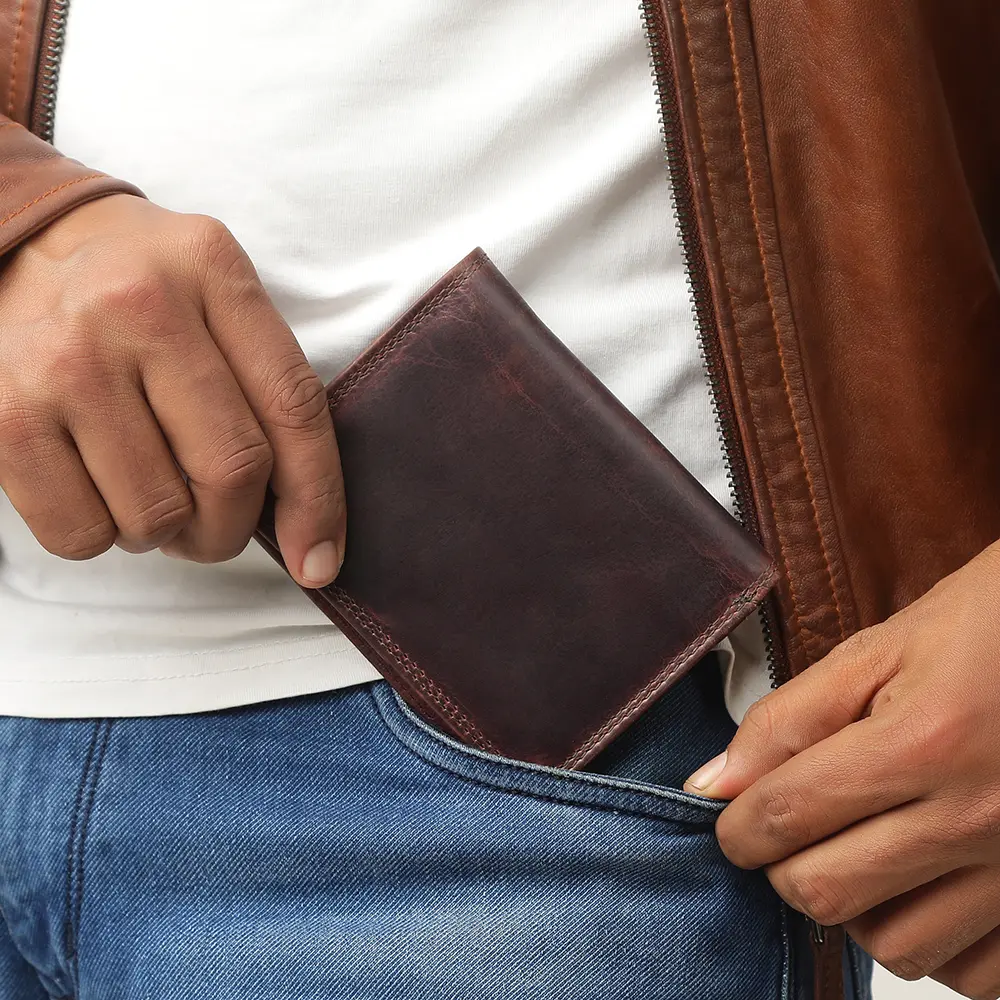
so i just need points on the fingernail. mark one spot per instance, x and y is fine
(705, 776)
(321, 564)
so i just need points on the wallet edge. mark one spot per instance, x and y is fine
(375, 642)
(740, 608)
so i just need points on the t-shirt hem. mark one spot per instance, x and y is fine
(180, 693)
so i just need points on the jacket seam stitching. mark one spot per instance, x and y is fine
(732, 300)
(15, 58)
(48, 194)
(774, 315)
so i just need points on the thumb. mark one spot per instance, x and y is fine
(817, 703)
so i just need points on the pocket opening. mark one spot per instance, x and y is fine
(583, 788)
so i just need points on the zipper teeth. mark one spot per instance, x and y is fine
(682, 196)
(51, 60)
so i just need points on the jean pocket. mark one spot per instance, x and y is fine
(618, 884)
(584, 788)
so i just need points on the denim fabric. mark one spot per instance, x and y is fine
(336, 847)
(859, 967)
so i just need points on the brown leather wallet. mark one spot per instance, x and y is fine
(526, 564)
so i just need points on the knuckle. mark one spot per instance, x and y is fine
(759, 719)
(20, 426)
(936, 733)
(764, 720)
(215, 247)
(327, 493)
(976, 822)
(211, 235)
(871, 644)
(125, 305)
(299, 399)
(162, 508)
(72, 364)
(84, 541)
(781, 820)
(140, 295)
(904, 961)
(240, 464)
(816, 894)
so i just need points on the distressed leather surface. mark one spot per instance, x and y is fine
(883, 138)
(525, 562)
(845, 169)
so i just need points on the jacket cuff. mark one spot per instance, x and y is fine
(38, 184)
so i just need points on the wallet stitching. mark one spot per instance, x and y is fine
(381, 635)
(377, 360)
(365, 618)
(425, 684)
(675, 664)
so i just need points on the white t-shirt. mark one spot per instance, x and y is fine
(357, 151)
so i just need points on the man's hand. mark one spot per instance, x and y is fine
(149, 390)
(870, 786)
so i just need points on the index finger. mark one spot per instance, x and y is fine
(861, 771)
(817, 703)
(289, 401)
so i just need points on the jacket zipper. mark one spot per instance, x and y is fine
(43, 112)
(694, 263)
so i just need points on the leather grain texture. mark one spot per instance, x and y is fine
(878, 128)
(526, 563)
(20, 37)
(755, 326)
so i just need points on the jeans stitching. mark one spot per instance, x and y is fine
(69, 931)
(786, 958)
(82, 815)
(617, 809)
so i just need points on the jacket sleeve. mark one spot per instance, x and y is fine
(38, 184)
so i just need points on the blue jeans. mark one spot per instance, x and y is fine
(336, 848)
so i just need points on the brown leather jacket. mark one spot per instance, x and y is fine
(837, 173)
